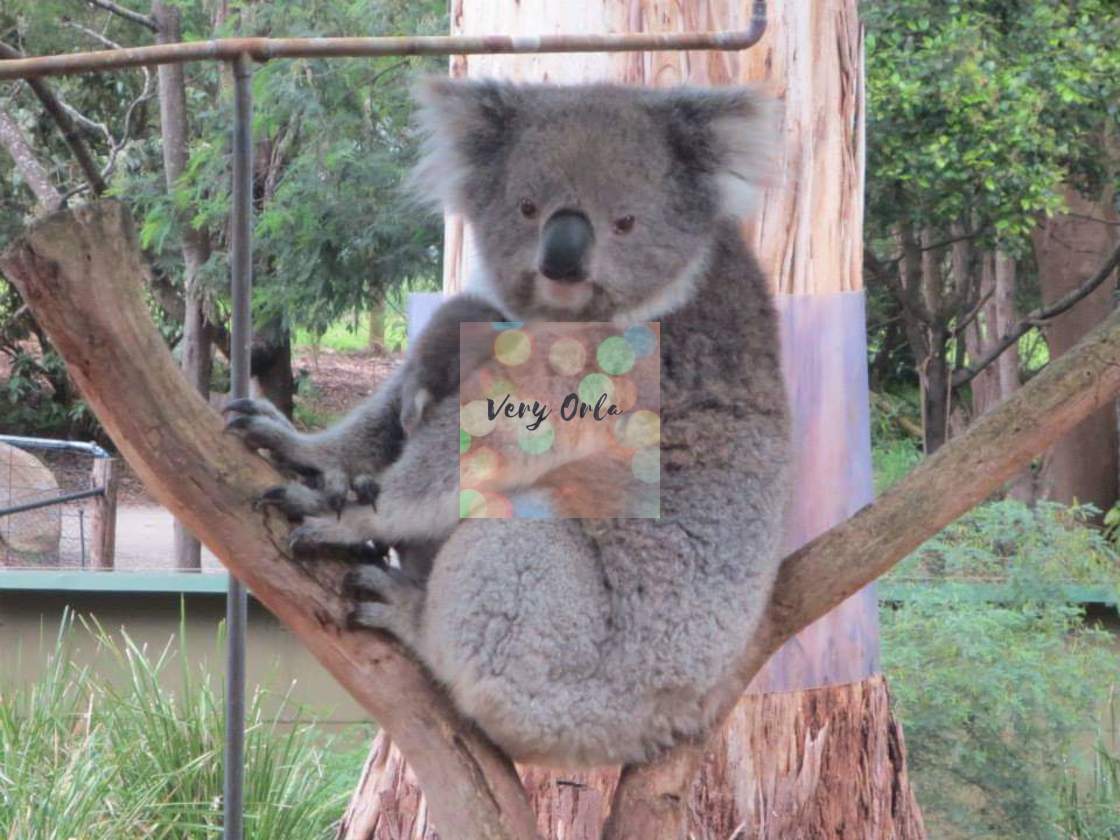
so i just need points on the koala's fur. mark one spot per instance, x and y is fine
(594, 641)
(431, 371)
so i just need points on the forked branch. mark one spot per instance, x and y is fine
(82, 274)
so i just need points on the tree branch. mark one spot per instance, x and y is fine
(146, 93)
(1038, 317)
(64, 122)
(127, 14)
(81, 272)
(972, 314)
(29, 166)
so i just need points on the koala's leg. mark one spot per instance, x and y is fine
(520, 623)
(399, 603)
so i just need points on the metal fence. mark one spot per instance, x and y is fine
(57, 504)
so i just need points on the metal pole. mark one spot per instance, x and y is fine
(263, 49)
(241, 278)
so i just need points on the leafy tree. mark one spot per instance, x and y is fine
(997, 747)
(333, 232)
(979, 114)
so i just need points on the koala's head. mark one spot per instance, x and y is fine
(595, 202)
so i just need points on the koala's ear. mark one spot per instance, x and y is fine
(464, 128)
(729, 135)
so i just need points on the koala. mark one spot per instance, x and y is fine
(597, 640)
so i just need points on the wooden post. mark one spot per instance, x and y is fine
(812, 750)
(103, 519)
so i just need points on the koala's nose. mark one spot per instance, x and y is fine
(565, 239)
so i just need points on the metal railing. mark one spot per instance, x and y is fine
(59, 534)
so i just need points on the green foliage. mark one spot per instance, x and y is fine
(980, 110)
(1033, 550)
(333, 229)
(346, 335)
(1001, 701)
(334, 233)
(894, 452)
(996, 701)
(1091, 807)
(80, 757)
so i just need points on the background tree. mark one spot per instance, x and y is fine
(332, 141)
(982, 117)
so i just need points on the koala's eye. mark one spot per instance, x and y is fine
(528, 209)
(623, 224)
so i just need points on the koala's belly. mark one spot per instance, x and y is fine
(522, 626)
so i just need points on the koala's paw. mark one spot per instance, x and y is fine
(256, 408)
(328, 539)
(398, 605)
(262, 426)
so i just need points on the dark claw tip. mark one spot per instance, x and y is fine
(274, 494)
(238, 423)
(244, 405)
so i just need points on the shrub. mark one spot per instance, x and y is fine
(80, 757)
(1001, 696)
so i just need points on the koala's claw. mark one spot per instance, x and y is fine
(366, 489)
(378, 580)
(313, 540)
(295, 501)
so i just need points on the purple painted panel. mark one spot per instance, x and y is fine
(824, 355)
(420, 308)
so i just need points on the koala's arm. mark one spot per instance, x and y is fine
(433, 367)
(352, 454)
(347, 456)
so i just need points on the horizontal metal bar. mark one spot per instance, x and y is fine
(53, 500)
(264, 49)
(47, 443)
(112, 581)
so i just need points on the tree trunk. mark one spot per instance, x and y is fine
(981, 334)
(195, 345)
(376, 337)
(271, 361)
(936, 399)
(1068, 247)
(81, 273)
(1003, 306)
(814, 58)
